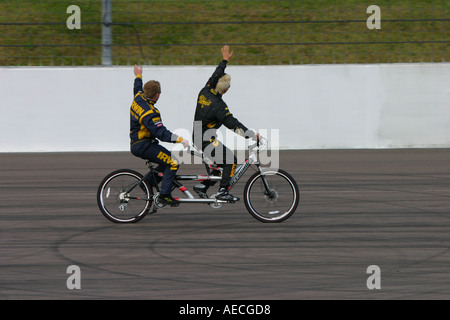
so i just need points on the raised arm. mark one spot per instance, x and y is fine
(138, 79)
(220, 70)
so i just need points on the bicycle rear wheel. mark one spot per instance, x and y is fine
(123, 198)
(272, 196)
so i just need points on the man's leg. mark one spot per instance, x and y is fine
(225, 158)
(228, 164)
(165, 158)
(160, 155)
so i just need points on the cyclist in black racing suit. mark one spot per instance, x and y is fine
(211, 112)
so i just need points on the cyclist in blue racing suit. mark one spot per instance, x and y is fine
(211, 112)
(146, 128)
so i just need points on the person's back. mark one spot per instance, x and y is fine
(146, 128)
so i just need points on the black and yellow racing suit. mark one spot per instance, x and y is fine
(210, 114)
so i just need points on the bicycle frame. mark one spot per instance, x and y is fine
(239, 172)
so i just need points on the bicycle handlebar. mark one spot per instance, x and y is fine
(259, 145)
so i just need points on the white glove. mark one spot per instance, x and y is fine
(185, 143)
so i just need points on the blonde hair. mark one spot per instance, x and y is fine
(223, 84)
(151, 88)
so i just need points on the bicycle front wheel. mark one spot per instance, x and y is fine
(123, 197)
(271, 196)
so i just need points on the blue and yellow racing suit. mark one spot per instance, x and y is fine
(146, 128)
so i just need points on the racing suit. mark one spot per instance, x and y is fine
(210, 114)
(145, 128)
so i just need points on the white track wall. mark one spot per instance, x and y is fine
(47, 109)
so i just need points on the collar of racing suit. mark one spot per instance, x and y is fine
(214, 92)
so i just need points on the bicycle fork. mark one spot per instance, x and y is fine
(243, 168)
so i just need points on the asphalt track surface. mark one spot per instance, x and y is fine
(389, 208)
